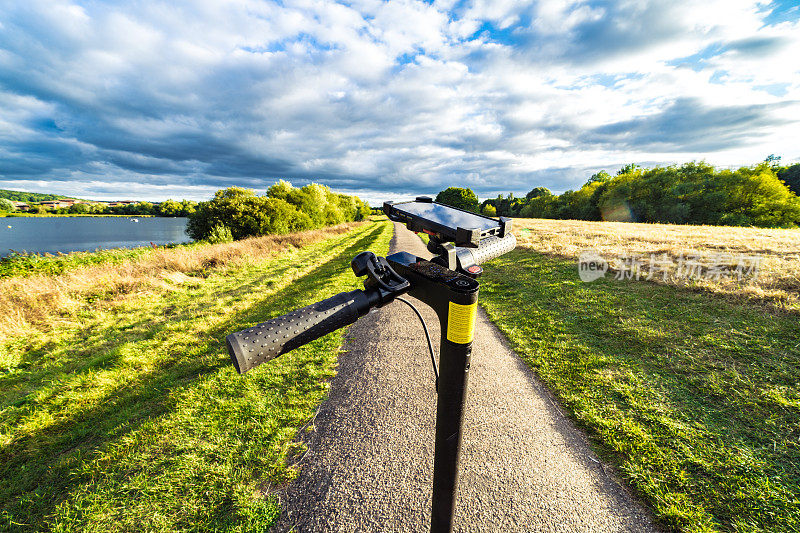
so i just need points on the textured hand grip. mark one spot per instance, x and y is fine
(253, 346)
(492, 247)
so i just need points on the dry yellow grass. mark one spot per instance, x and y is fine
(39, 300)
(775, 252)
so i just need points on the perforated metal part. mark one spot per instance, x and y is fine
(492, 247)
(251, 347)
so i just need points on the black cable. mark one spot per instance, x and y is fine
(427, 336)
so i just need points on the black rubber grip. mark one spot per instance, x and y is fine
(492, 247)
(253, 346)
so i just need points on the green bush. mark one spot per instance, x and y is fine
(791, 177)
(539, 207)
(536, 192)
(284, 209)
(173, 208)
(219, 234)
(459, 197)
(80, 209)
(6, 206)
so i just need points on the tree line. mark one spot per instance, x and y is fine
(168, 208)
(235, 213)
(22, 196)
(764, 195)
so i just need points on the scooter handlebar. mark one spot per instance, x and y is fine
(253, 346)
(492, 247)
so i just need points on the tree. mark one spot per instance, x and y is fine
(322, 205)
(459, 197)
(6, 206)
(244, 214)
(601, 177)
(774, 161)
(540, 207)
(791, 177)
(489, 201)
(756, 197)
(489, 210)
(80, 209)
(144, 208)
(696, 193)
(280, 189)
(169, 208)
(505, 206)
(628, 169)
(188, 207)
(537, 192)
(364, 210)
(233, 193)
(314, 200)
(282, 217)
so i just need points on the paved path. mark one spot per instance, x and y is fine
(369, 466)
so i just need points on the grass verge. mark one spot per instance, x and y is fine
(694, 398)
(30, 264)
(130, 418)
(38, 301)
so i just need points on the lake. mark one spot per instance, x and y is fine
(74, 234)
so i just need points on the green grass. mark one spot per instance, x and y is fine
(695, 399)
(130, 418)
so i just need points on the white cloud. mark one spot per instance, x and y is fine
(400, 96)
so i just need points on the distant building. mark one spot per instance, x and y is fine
(52, 204)
(21, 206)
(60, 203)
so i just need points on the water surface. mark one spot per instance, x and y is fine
(74, 234)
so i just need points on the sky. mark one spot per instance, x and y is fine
(387, 99)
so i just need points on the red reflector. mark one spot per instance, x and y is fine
(474, 269)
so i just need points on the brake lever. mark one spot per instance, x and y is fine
(380, 276)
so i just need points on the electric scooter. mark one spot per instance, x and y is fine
(460, 241)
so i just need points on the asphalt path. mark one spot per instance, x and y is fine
(369, 464)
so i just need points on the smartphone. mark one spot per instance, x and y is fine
(446, 223)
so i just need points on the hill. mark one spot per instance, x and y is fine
(22, 196)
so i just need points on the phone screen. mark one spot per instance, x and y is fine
(447, 216)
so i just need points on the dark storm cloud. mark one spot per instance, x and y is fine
(689, 126)
(40, 156)
(604, 30)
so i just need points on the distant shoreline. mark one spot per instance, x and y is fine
(34, 215)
